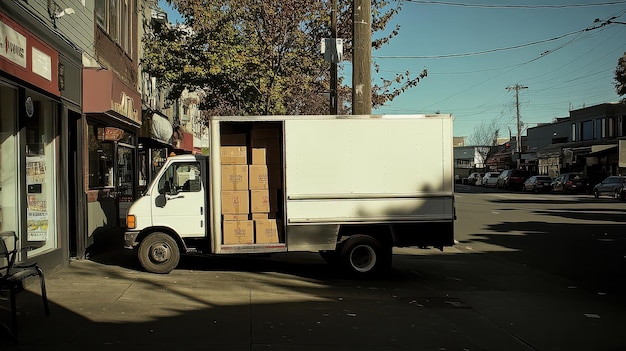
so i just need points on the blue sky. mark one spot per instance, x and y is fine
(537, 44)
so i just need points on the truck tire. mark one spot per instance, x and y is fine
(159, 253)
(364, 256)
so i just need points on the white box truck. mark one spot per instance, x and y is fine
(348, 187)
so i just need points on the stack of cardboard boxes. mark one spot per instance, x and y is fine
(250, 189)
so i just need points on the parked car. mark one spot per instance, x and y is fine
(490, 179)
(475, 178)
(512, 179)
(614, 186)
(537, 183)
(571, 183)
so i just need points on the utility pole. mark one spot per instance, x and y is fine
(333, 65)
(518, 143)
(362, 58)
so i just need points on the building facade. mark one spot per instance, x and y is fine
(40, 97)
(587, 141)
(71, 112)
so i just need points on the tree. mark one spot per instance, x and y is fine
(261, 57)
(620, 77)
(484, 137)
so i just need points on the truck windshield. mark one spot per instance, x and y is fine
(180, 177)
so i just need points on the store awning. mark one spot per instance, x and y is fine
(602, 150)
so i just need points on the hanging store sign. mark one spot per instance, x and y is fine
(110, 134)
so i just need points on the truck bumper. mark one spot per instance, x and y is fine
(130, 239)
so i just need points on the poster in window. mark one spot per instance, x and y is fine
(37, 219)
(35, 170)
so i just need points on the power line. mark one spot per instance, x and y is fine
(530, 7)
(514, 47)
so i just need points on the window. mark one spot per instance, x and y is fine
(104, 161)
(574, 132)
(114, 17)
(180, 177)
(610, 127)
(586, 130)
(599, 128)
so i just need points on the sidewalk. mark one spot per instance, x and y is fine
(108, 302)
(299, 303)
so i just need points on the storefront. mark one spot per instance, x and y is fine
(39, 90)
(112, 125)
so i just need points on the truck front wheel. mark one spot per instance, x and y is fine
(159, 253)
(362, 255)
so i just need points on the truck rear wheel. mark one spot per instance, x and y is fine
(159, 253)
(363, 255)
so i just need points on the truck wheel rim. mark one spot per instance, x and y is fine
(160, 252)
(363, 258)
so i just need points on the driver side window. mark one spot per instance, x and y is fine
(181, 177)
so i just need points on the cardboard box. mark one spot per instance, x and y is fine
(235, 202)
(266, 231)
(236, 217)
(259, 201)
(258, 177)
(271, 215)
(235, 177)
(238, 232)
(234, 155)
(233, 139)
(265, 151)
(263, 201)
(265, 133)
(258, 156)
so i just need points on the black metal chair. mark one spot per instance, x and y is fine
(12, 276)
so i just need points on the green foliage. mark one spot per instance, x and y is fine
(253, 57)
(620, 77)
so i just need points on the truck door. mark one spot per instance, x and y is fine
(179, 200)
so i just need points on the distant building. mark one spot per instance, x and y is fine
(586, 141)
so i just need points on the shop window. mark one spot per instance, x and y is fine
(112, 164)
(101, 156)
(40, 130)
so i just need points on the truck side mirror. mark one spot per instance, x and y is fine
(160, 200)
